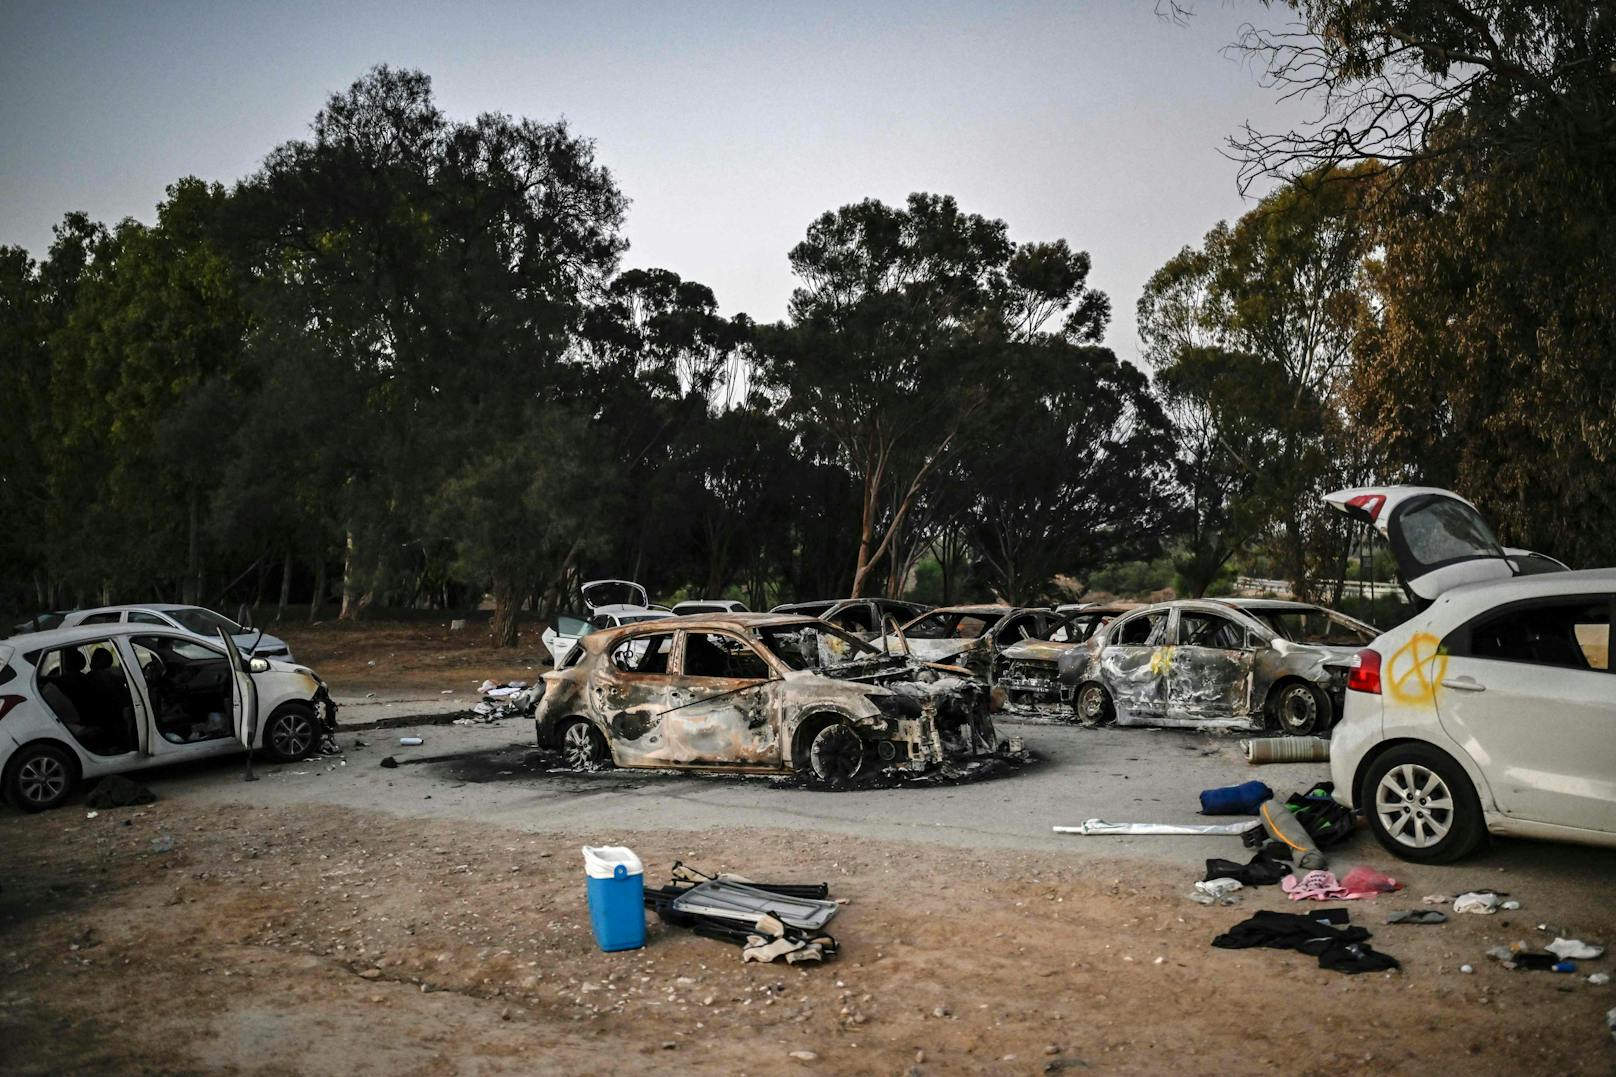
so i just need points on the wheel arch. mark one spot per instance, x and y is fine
(55, 742)
(809, 726)
(1478, 785)
(559, 726)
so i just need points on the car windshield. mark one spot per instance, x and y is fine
(814, 645)
(205, 622)
(951, 626)
(1315, 626)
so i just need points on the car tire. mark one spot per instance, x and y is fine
(836, 754)
(1298, 709)
(582, 745)
(1421, 805)
(1093, 705)
(41, 777)
(292, 733)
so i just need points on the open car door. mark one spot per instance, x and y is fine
(243, 694)
(1437, 538)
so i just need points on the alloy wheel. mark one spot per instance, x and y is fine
(1414, 805)
(42, 779)
(578, 745)
(292, 736)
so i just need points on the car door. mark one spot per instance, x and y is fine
(1133, 666)
(1527, 689)
(628, 690)
(723, 705)
(243, 694)
(1209, 675)
(1437, 538)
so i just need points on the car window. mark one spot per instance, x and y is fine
(101, 619)
(1574, 634)
(1316, 625)
(1016, 629)
(643, 654)
(799, 645)
(1138, 631)
(1440, 530)
(715, 654)
(141, 617)
(1198, 629)
(855, 618)
(205, 622)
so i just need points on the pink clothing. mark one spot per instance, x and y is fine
(1367, 882)
(1314, 886)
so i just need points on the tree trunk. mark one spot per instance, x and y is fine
(502, 629)
(350, 586)
(318, 596)
(286, 588)
(190, 590)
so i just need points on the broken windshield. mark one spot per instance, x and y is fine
(814, 646)
(1319, 627)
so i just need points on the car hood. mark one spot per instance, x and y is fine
(1037, 650)
(250, 643)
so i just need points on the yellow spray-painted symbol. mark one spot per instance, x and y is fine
(1161, 660)
(1414, 671)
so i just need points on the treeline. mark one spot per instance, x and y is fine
(400, 364)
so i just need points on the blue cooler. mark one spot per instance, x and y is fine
(616, 897)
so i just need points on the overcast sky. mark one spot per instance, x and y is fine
(730, 126)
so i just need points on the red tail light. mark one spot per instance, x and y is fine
(1364, 676)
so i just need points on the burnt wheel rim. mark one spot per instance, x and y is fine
(837, 754)
(42, 779)
(292, 735)
(578, 743)
(1091, 703)
(1414, 805)
(1298, 710)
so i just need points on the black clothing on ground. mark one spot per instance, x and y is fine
(1260, 870)
(1340, 949)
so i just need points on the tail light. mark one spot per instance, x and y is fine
(8, 702)
(1364, 676)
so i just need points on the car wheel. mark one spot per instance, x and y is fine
(836, 754)
(583, 745)
(1093, 704)
(41, 776)
(292, 734)
(1298, 708)
(1422, 806)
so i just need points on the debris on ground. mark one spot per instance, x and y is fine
(116, 791)
(769, 921)
(1222, 891)
(1418, 916)
(1481, 902)
(1338, 949)
(1242, 799)
(1575, 949)
(502, 699)
(1101, 826)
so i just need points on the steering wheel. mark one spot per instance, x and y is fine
(153, 669)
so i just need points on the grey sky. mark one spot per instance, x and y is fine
(729, 125)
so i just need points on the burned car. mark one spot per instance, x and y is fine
(865, 618)
(1216, 663)
(758, 692)
(971, 636)
(1029, 669)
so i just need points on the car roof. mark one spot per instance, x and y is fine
(1267, 604)
(732, 622)
(66, 637)
(985, 607)
(159, 607)
(1571, 582)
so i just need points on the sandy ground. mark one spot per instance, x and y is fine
(338, 916)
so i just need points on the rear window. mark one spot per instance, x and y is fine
(1314, 626)
(1442, 530)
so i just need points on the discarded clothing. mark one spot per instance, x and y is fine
(1339, 949)
(1314, 886)
(1284, 827)
(511, 700)
(1260, 870)
(1240, 799)
(1418, 916)
(1100, 826)
(1482, 902)
(1519, 956)
(1574, 948)
(1326, 821)
(1436, 899)
(116, 791)
(1367, 882)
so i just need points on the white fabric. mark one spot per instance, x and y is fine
(1100, 826)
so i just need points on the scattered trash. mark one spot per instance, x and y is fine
(1339, 949)
(1261, 870)
(116, 791)
(1286, 750)
(1482, 902)
(410, 742)
(91, 814)
(1418, 916)
(163, 843)
(1367, 882)
(1436, 899)
(1467, 969)
(457, 625)
(616, 897)
(1217, 891)
(1610, 1022)
(1235, 799)
(1574, 948)
(1100, 826)
(1314, 886)
(1521, 956)
(1510, 906)
(1284, 827)
(389, 762)
(511, 699)
(770, 921)
(1599, 979)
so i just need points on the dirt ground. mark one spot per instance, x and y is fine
(296, 939)
(398, 658)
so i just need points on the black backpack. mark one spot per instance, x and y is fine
(1326, 821)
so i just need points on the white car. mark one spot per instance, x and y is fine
(1492, 709)
(197, 620)
(702, 607)
(610, 604)
(103, 699)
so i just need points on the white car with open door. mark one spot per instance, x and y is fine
(609, 604)
(1493, 708)
(85, 702)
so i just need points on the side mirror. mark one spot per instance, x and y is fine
(258, 665)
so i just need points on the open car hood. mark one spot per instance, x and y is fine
(1437, 538)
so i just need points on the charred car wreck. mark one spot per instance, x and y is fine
(1216, 663)
(764, 693)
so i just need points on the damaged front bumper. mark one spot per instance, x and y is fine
(945, 720)
(1034, 682)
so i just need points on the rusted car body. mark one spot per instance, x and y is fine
(1029, 671)
(1216, 663)
(761, 693)
(865, 618)
(971, 636)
